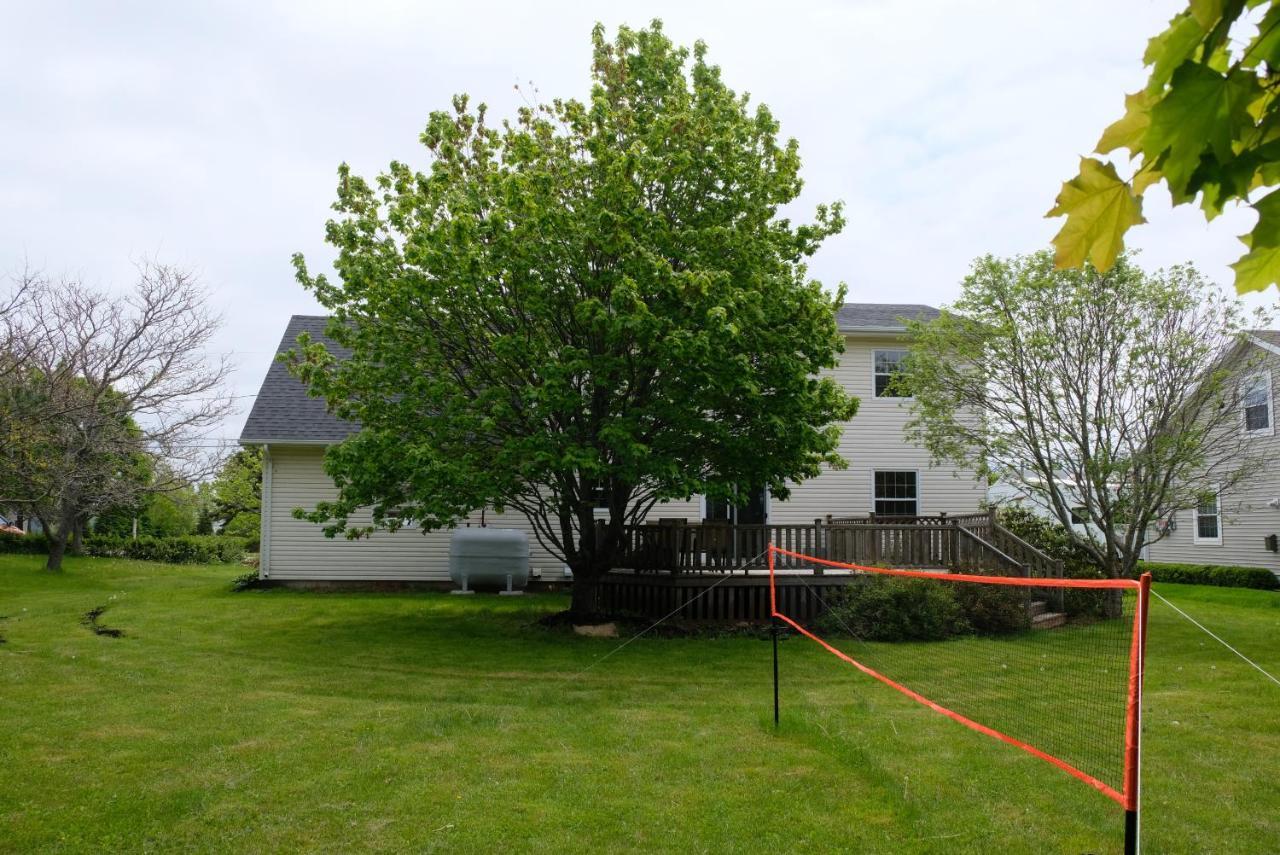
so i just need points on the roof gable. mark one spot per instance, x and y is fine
(283, 411)
(881, 317)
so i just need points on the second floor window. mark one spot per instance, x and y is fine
(888, 367)
(1257, 404)
(1208, 520)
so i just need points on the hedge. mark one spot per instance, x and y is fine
(885, 608)
(1224, 576)
(189, 549)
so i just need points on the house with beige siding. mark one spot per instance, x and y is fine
(887, 475)
(1239, 525)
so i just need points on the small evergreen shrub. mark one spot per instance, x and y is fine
(1223, 576)
(888, 608)
(993, 609)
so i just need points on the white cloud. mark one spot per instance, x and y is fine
(210, 134)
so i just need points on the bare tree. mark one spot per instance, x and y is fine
(108, 398)
(1114, 396)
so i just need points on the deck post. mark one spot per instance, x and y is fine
(819, 550)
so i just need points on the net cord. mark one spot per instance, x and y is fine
(667, 616)
(1013, 581)
(1108, 791)
(1210, 633)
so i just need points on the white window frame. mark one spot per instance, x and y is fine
(875, 374)
(1195, 521)
(1265, 377)
(919, 491)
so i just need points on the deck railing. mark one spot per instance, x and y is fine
(960, 542)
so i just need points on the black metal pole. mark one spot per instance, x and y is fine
(1131, 832)
(773, 623)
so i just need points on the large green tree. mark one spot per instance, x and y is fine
(1114, 396)
(237, 493)
(594, 301)
(1207, 126)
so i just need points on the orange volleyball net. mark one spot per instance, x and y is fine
(1070, 696)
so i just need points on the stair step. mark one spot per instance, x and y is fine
(1038, 607)
(1048, 620)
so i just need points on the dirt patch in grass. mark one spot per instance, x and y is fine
(90, 620)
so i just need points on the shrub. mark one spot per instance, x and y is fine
(993, 609)
(24, 544)
(1053, 540)
(189, 549)
(887, 608)
(1223, 576)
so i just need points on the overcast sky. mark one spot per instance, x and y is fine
(208, 135)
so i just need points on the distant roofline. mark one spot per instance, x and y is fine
(1252, 335)
(284, 414)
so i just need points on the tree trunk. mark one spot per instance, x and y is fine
(57, 549)
(1113, 599)
(77, 539)
(584, 603)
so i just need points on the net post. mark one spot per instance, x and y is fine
(1133, 721)
(773, 630)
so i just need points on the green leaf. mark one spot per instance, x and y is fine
(1260, 266)
(1099, 208)
(1203, 110)
(1265, 46)
(1207, 13)
(1129, 130)
(1257, 269)
(1266, 233)
(1172, 48)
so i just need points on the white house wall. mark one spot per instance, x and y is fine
(1247, 517)
(298, 550)
(872, 441)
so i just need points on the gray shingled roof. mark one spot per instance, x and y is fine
(283, 411)
(853, 317)
(1269, 336)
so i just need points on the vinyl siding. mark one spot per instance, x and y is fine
(873, 440)
(1246, 519)
(298, 550)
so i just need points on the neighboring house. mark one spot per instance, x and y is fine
(1239, 526)
(1004, 493)
(887, 475)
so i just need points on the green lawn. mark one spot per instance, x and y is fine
(279, 721)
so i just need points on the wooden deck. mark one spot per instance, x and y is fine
(707, 598)
(679, 566)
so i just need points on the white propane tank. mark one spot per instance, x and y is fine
(492, 557)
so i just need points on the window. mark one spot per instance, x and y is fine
(896, 494)
(1256, 395)
(888, 366)
(1208, 516)
(600, 497)
(750, 508)
(1079, 516)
